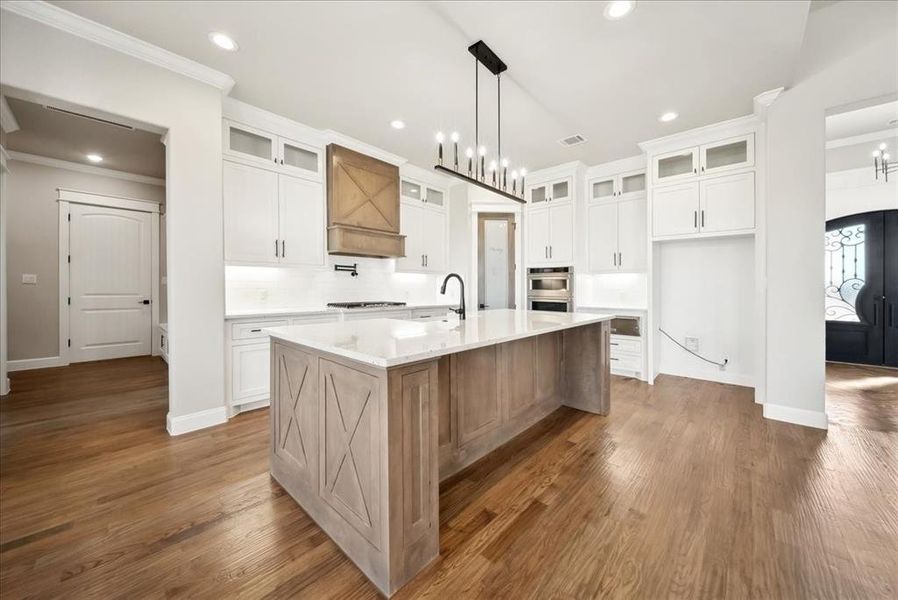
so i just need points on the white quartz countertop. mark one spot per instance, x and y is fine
(392, 342)
(264, 313)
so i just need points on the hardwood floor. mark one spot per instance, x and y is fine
(683, 491)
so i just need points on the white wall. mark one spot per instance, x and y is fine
(33, 246)
(259, 288)
(857, 191)
(45, 61)
(707, 291)
(4, 380)
(849, 54)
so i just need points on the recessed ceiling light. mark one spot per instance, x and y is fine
(223, 41)
(668, 116)
(619, 9)
(94, 158)
(397, 124)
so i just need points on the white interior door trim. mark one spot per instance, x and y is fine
(520, 276)
(64, 200)
(79, 197)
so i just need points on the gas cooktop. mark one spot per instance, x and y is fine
(374, 304)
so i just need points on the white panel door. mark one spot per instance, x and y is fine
(675, 210)
(250, 372)
(411, 218)
(250, 214)
(631, 245)
(538, 236)
(561, 233)
(301, 228)
(602, 237)
(110, 282)
(728, 203)
(434, 227)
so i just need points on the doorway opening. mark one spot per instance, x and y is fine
(495, 260)
(861, 264)
(84, 241)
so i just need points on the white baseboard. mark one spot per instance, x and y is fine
(797, 416)
(27, 364)
(4, 387)
(718, 376)
(195, 421)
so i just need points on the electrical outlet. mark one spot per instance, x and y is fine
(692, 344)
(29, 279)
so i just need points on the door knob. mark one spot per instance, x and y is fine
(143, 301)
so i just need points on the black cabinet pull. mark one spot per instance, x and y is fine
(283, 248)
(275, 248)
(255, 330)
(695, 219)
(703, 218)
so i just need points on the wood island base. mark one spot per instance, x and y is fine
(362, 449)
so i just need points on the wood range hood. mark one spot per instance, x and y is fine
(362, 205)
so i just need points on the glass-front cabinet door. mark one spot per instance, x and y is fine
(303, 160)
(411, 190)
(677, 165)
(561, 191)
(539, 194)
(434, 197)
(602, 189)
(249, 144)
(733, 153)
(632, 183)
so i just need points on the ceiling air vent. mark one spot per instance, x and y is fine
(88, 117)
(572, 140)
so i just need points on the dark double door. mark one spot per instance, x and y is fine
(862, 288)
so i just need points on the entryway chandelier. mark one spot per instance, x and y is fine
(496, 181)
(881, 164)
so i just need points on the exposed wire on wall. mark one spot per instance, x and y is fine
(692, 352)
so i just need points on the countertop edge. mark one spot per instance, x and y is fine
(367, 359)
(276, 313)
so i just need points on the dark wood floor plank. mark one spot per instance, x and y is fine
(684, 491)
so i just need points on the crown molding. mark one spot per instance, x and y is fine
(7, 119)
(701, 135)
(73, 166)
(58, 18)
(336, 137)
(763, 100)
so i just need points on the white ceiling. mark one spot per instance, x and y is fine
(355, 66)
(853, 136)
(45, 132)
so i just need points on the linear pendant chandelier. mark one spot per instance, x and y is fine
(476, 173)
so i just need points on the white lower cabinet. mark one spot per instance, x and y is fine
(627, 356)
(713, 206)
(250, 372)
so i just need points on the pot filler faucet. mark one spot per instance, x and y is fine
(460, 311)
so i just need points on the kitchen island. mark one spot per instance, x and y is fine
(368, 416)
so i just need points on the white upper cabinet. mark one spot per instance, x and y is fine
(550, 235)
(603, 237)
(250, 144)
(301, 221)
(250, 214)
(424, 225)
(256, 146)
(614, 187)
(727, 203)
(727, 155)
(719, 156)
(556, 191)
(616, 236)
(675, 210)
(632, 244)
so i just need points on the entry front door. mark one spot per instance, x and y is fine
(861, 297)
(110, 282)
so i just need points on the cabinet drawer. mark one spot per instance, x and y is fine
(314, 319)
(245, 331)
(628, 362)
(385, 314)
(623, 344)
(429, 313)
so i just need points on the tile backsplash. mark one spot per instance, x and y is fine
(260, 288)
(613, 290)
